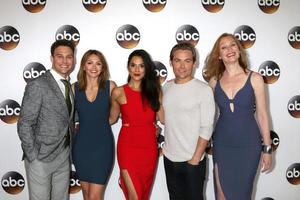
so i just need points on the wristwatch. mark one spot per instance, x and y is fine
(267, 149)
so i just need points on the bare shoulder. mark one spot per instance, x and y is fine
(117, 92)
(256, 78)
(212, 82)
(112, 84)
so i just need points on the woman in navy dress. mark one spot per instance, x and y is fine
(93, 148)
(238, 136)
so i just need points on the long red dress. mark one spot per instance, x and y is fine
(136, 148)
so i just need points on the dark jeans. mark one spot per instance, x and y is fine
(185, 181)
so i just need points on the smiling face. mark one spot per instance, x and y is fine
(93, 66)
(63, 60)
(229, 51)
(136, 68)
(183, 65)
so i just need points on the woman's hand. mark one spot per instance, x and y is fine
(266, 162)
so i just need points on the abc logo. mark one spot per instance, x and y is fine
(128, 36)
(213, 5)
(204, 75)
(209, 148)
(268, 6)
(33, 70)
(9, 111)
(13, 182)
(294, 106)
(34, 6)
(187, 33)
(161, 71)
(246, 35)
(68, 32)
(154, 5)
(275, 140)
(293, 174)
(294, 37)
(267, 198)
(270, 71)
(9, 38)
(160, 140)
(94, 5)
(74, 183)
(160, 143)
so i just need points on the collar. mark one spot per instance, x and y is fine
(57, 76)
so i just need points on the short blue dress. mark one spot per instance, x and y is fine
(93, 147)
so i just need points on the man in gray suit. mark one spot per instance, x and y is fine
(45, 127)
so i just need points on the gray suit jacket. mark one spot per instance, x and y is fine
(44, 119)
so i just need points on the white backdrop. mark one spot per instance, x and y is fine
(38, 21)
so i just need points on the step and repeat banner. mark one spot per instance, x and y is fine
(268, 29)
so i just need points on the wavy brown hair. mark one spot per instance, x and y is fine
(214, 67)
(104, 75)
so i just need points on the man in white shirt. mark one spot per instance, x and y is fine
(189, 113)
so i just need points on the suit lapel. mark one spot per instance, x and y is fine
(56, 90)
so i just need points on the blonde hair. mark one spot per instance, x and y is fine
(214, 67)
(104, 75)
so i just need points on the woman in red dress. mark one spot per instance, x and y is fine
(138, 101)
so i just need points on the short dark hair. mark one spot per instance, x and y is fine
(184, 46)
(58, 43)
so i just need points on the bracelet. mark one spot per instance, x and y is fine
(267, 149)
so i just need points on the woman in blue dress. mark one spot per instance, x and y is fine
(93, 147)
(240, 140)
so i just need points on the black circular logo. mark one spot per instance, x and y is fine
(34, 6)
(9, 38)
(128, 36)
(13, 182)
(294, 37)
(270, 71)
(246, 35)
(187, 33)
(94, 5)
(275, 140)
(74, 183)
(268, 6)
(161, 71)
(209, 148)
(68, 32)
(267, 198)
(33, 70)
(213, 5)
(154, 5)
(9, 111)
(293, 174)
(294, 106)
(204, 75)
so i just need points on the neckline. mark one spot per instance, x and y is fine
(137, 91)
(237, 92)
(86, 97)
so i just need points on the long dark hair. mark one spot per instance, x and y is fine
(150, 85)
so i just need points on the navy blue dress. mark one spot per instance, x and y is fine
(236, 142)
(93, 146)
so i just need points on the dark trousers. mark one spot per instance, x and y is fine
(185, 181)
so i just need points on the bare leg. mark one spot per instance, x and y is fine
(220, 194)
(132, 195)
(85, 189)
